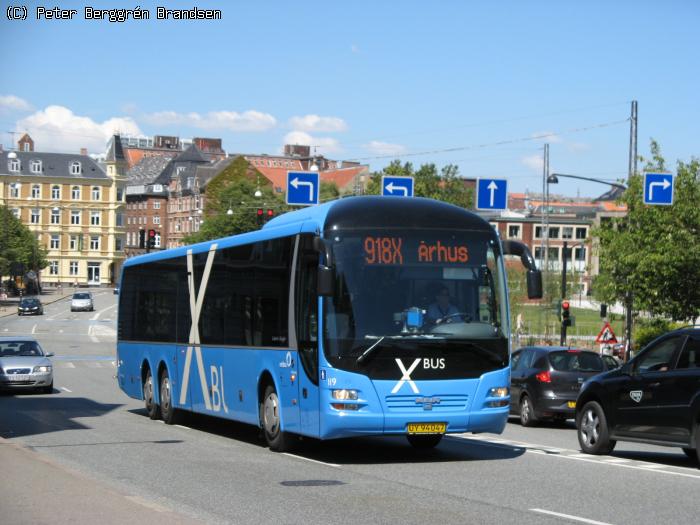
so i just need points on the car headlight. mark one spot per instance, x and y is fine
(42, 369)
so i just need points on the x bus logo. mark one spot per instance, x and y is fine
(196, 301)
(406, 376)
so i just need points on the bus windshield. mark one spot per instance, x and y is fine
(429, 288)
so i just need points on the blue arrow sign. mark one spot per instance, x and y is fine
(491, 194)
(397, 186)
(658, 188)
(302, 188)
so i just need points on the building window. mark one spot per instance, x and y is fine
(554, 254)
(73, 242)
(118, 244)
(36, 191)
(120, 194)
(514, 231)
(579, 254)
(75, 168)
(119, 219)
(567, 232)
(55, 216)
(75, 217)
(75, 193)
(14, 165)
(15, 190)
(73, 268)
(95, 218)
(95, 193)
(538, 232)
(55, 192)
(16, 212)
(55, 242)
(156, 205)
(580, 233)
(554, 232)
(94, 242)
(53, 267)
(35, 216)
(156, 220)
(35, 166)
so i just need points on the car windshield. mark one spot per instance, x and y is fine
(575, 361)
(20, 349)
(29, 302)
(81, 296)
(426, 287)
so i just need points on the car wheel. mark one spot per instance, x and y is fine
(169, 413)
(152, 409)
(48, 389)
(424, 442)
(527, 413)
(271, 421)
(592, 430)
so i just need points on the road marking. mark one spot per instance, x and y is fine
(68, 364)
(99, 313)
(34, 329)
(570, 517)
(182, 426)
(65, 389)
(616, 460)
(312, 460)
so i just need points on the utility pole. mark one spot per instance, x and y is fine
(562, 340)
(632, 169)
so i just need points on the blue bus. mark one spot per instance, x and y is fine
(329, 322)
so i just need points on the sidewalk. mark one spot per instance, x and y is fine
(43, 491)
(48, 295)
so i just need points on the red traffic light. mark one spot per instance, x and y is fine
(260, 212)
(565, 305)
(270, 213)
(151, 233)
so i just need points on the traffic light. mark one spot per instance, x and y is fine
(151, 239)
(565, 314)
(260, 215)
(142, 239)
(270, 214)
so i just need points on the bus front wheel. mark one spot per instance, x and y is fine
(271, 421)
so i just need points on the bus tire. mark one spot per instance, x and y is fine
(152, 409)
(424, 441)
(271, 421)
(169, 413)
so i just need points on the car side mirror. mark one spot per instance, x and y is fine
(50, 354)
(534, 284)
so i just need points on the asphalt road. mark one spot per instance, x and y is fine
(216, 471)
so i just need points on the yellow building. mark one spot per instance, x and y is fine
(74, 206)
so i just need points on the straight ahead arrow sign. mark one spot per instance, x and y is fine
(492, 187)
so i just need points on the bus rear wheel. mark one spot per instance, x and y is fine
(170, 414)
(424, 441)
(152, 409)
(271, 421)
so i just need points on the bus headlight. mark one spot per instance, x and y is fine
(501, 391)
(344, 394)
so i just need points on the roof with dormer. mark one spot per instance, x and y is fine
(52, 165)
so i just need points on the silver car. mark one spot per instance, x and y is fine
(82, 301)
(24, 365)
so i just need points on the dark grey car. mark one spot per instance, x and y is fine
(545, 381)
(24, 365)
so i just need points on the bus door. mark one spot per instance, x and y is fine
(306, 319)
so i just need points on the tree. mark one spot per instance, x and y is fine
(328, 191)
(653, 253)
(18, 245)
(445, 185)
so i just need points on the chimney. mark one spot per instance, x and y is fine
(83, 151)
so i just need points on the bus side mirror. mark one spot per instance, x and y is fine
(534, 284)
(326, 281)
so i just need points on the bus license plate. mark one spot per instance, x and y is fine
(571, 404)
(427, 428)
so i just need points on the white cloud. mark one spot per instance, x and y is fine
(12, 103)
(316, 123)
(319, 145)
(384, 148)
(215, 120)
(534, 162)
(57, 128)
(547, 136)
(577, 147)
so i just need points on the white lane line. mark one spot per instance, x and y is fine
(34, 329)
(652, 466)
(569, 517)
(65, 389)
(68, 364)
(99, 313)
(616, 460)
(182, 426)
(311, 460)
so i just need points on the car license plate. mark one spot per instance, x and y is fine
(571, 404)
(427, 428)
(19, 377)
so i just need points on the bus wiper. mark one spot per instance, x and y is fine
(367, 352)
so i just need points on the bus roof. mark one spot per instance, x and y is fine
(362, 212)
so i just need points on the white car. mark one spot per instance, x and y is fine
(82, 301)
(24, 365)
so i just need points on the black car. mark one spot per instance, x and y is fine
(545, 381)
(654, 398)
(30, 306)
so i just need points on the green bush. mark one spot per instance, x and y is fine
(648, 330)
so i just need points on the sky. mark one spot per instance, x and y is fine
(480, 84)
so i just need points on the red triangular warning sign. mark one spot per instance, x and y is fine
(606, 335)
